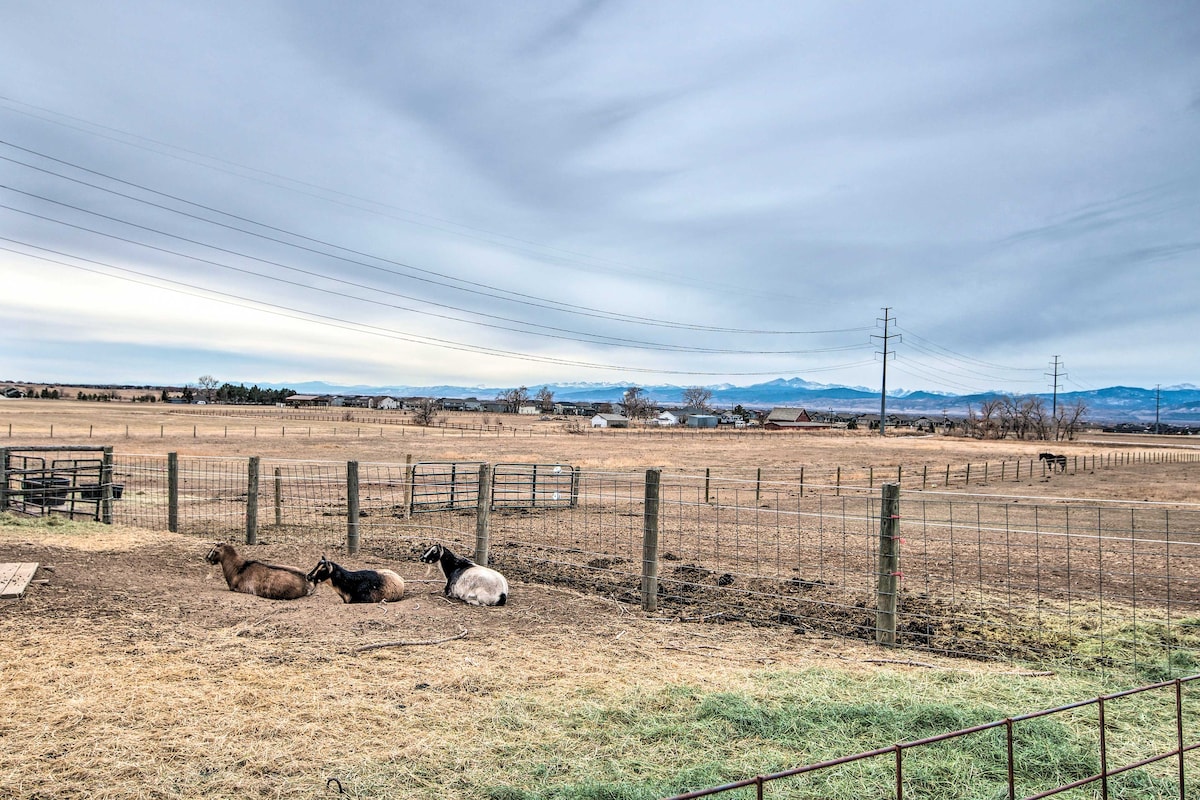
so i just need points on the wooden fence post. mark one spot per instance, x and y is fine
(106, 487)
(574, 487)
(887, 592)
(707, 474)
(352, 507)
(483, 513)
(650, 541)
(252, 501)
(173, 492)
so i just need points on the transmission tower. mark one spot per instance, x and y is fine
(1054, 401)
(886, 337)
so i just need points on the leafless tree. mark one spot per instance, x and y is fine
(698, 397)
(988, 423)
(425, 411)
(545, 399)
(1034, 418)
(1071, 419)
(208, 385)
(515, 398)
(635, 403)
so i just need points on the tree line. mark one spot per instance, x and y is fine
(1024, 418)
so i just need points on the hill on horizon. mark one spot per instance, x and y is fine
(1174, 405)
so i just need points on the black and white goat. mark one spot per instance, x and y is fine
(466, 580)
(271, 581)
(358, 586)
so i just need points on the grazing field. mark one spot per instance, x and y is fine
(131, 671)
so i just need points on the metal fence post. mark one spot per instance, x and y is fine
(252, 501)
(4, 478)
(889, 565)
(352, 507)
(483, 510)
(650, 541)
(173, 492)
(278, 497)
(408, 485)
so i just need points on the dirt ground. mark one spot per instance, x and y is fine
(122, 659)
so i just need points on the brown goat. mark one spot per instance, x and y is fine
(271, 581)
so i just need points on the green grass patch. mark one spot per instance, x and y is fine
(654, 744)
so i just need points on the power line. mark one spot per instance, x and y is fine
(594, 338)
(517, 297)
(319, 192)
(276, 309)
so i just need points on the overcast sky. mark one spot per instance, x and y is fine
(691, 193)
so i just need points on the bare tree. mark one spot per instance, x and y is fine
(1034, 418)
(208, 385)
(698, 397)
(988, 423)
(545, 399)
(515, 398)
(1071, 419)
(425, 411)
(635, 403)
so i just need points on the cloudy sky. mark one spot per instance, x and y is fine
(503, 194)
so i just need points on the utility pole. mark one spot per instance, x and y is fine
(1054, 402)
(1157, 398)
(883, 384)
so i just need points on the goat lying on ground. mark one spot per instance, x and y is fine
(358, 586)
(1054, 462)
(271, 581)
(466, 580)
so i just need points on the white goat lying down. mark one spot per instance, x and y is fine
(466, 580)
(271, 581)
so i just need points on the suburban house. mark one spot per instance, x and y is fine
(610, 421)
(385, 403)
(666, 419)
(783, 418)
(461, 404)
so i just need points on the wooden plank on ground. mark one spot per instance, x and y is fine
(15, 577)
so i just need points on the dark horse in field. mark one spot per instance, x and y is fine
(1054, 462)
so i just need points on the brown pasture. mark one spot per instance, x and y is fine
(129, 669)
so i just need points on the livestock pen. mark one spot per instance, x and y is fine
(1058, 582)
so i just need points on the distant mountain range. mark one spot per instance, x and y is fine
(1176, 405)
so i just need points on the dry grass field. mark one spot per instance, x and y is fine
(130, 671)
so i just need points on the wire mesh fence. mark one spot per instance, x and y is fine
(1094, 585)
